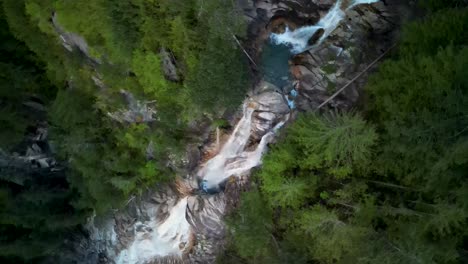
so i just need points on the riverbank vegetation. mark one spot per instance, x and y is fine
(385, 185)
(129, 45)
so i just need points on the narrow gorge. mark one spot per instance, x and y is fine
(233, 131)
(302, 65)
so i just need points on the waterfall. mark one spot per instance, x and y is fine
(158, 239)
(154, 238)
(175, 228)
(241, 134)
(232, 160)
(298, 40)
(249, 160)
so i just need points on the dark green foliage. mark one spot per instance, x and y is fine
(19, 77)
(110, 163)
(107, 161)
(28, 28)
(35, 217)
(400, 197)
(132, 32)
(427, 36)
(434, 5)
(304, 178)
(332, 144)
(253, 226)
(126, 20)
(127, 37)
(220, 77)
(35, 204)
(422, 121)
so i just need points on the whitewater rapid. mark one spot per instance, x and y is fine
(298, 40)
(233, 160)
(155, 238)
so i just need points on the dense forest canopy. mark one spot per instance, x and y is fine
(388, 185)
(107, 161)
(34, 207)
(383, 184)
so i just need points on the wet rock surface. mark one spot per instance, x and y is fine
(205, 213)
(271, 108)
(72, 41)
(169, 65)
(368, 31)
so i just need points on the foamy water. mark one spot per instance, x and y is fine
(298, 39)
(155, 239)
(233, 160)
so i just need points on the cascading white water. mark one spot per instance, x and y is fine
(158, 239)
(175, 227)
(248, 160)
(232, 160)
(155, 239)
(360, 2)
(241, 133)
(298, 40)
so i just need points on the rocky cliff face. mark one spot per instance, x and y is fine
(369, 31)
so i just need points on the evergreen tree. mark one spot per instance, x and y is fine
(389, 190)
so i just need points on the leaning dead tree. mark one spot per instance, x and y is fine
(355, 78)
(136, 111)
(242, 48)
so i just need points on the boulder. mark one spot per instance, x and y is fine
(317, 35)
(270, 107)
(71, 40)
(265, 86)
(169, 65)
(272, 102)
(205, 215)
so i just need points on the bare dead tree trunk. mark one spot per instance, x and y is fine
(246, 53)
(355, 78)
